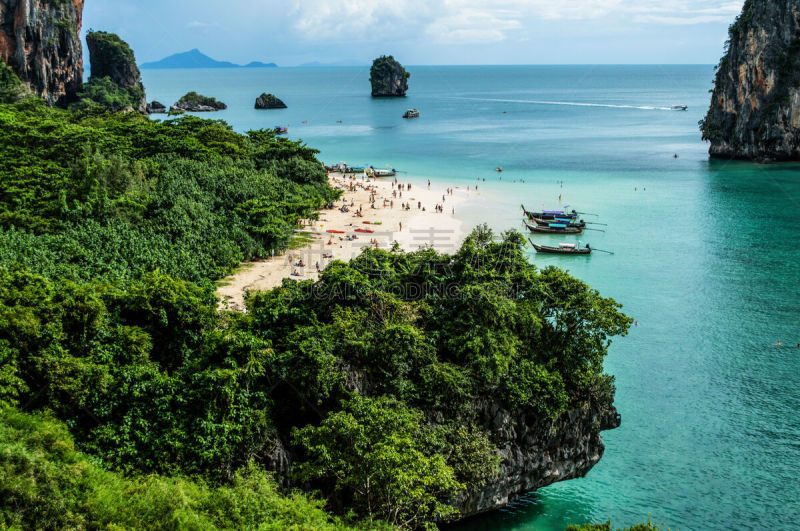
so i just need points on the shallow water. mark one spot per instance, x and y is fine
(706, 259)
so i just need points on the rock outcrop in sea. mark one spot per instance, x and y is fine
(538, 452)
(268, 101)
(39, 40)
(194, 102)
(156, 107)
(388, 77)
(111, 57)
(755, 106)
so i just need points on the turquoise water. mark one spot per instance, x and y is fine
(706, 259)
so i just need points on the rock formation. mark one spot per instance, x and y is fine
(156, 107)
(39, 41)
(755, 106)
(268, 101)
(194, 102)
(388, 77)
(536, 453)
(111, 57)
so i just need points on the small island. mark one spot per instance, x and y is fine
(268, 101)
(194, 102)
(388, 77)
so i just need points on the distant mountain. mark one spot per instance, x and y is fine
(197, 59)
(259, 64)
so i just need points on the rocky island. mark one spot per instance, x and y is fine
(39, 41)
(156, 107)
(194, 102)
(268, 101)
(388, 77)
(111, 58)
(755, 105)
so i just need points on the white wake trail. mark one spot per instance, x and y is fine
(573, 104)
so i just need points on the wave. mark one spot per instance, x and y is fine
(574, 104)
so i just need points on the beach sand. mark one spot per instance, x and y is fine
(443, 231)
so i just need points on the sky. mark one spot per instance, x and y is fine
(432, 32)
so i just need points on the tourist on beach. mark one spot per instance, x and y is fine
(401, 225)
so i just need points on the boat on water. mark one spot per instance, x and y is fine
(679, 108)
(280, 130)
(383, 173)
(563, 248)
(499, 168)
(411, 113)
(550, 214)
(554, 228)
(570, 222)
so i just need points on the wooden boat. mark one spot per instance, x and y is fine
(384, 173)
(411, 113)
(566, 221)
(554, 228)
(550, 214)
(563, 248)
(334, 231)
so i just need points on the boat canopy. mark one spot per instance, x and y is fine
(568, 245)
(558, 225)
(553, 211)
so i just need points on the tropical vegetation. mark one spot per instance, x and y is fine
(128, 398)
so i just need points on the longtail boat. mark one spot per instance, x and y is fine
(563, 248)
(570, 222)
(550, 214)
(554, 228)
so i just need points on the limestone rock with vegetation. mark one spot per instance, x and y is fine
(111, 57)
(39, 41)
(194, 102)
(755, 105)
(388, 77)
(268, 101)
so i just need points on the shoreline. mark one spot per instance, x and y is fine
(411, 228)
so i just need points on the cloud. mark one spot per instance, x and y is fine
(482, 21)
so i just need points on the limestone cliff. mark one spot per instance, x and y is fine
(111, 57)
(39, 41)
(537, 452)
(388, 77)
(755, 106)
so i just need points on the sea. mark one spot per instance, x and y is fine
(706, 259)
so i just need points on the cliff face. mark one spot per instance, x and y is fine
(755, 106)
(536, 453)
(39, 41)
(388, 77)
(111, 57)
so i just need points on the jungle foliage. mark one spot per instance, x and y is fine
(112, 229)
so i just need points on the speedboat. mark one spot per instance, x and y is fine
(678, 108)
(411, 113)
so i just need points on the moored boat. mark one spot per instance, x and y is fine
(554, 228)
(563, 248)
(280, 130)
(570, 222)
(550, 214)
(383, 173)
(411, 113)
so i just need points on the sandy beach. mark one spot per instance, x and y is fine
(420, 224)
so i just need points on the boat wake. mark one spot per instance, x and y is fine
(574, 104)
